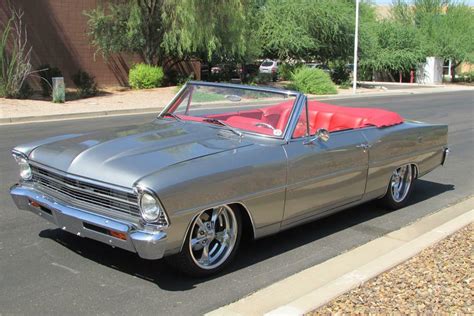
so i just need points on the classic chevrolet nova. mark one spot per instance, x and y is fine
(219, 162)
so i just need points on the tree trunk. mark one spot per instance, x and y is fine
(453, 70)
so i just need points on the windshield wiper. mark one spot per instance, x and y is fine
(172, 115)
(219, 122)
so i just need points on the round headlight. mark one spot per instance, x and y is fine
(149, 207)
(25, 169)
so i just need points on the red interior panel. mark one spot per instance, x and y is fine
(321, 115)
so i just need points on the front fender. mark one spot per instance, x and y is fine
(254, 176)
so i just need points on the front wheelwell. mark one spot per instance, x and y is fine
(247, 226)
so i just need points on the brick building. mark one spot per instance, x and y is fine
(57, 32)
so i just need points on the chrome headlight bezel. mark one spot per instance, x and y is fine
(25, 168)
(147, 196)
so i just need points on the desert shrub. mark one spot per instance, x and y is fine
(15, 55)
(467, 77)
(285, 70)
(46, 72)
(313, 81)
(340, 74)
(143, 76)
(85, 83)
(345, 84)
(261, 79)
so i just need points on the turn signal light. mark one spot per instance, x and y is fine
(34, 204)
(118, 235)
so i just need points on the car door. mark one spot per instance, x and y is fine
(323, 175)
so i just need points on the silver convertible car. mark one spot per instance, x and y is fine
(220, 162)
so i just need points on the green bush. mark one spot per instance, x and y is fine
(143, 76)
(467, 77)
(46, 72)
(285, 70)
(261, 79)
(340, 74)
(85, 84)
(313, 81)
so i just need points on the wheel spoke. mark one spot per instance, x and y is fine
(221, 236)
(215, 215)
(200, 224)
(213, 237)
(196, 243)
(205, 255)
(401, 182)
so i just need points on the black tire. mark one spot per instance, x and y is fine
(185, 263)
(389, 200)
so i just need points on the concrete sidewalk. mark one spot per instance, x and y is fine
(13, 111)
(318, 285)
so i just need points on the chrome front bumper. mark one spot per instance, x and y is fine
(147, 244)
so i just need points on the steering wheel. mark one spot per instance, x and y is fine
(261, 124)
(275, 131)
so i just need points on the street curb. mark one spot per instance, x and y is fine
(85, 115)
(316, 286)
(80, 115)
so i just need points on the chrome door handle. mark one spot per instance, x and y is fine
(363, 146)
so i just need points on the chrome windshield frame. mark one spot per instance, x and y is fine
(294, 115)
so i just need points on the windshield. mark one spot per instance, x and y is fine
(238, 109)
(267, 63)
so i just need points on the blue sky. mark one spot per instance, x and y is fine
(470, 2)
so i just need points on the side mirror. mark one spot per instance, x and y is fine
(322, 134)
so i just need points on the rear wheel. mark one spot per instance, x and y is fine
(399, 188)
(211, 243)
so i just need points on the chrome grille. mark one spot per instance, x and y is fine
(85, 192)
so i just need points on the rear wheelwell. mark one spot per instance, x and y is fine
(415, 170)
(247, 226)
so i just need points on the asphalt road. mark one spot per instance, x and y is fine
(47, 271)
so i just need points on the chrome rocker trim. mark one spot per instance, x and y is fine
(147, 244)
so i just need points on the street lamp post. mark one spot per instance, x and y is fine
(356, 42)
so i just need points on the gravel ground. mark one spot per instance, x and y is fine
(439, 280)
(108, 101)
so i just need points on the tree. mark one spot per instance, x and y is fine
(162, 29)
(445, 26)
(307, 29)
(449, 34)
(398, 48)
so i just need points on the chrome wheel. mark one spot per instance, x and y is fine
(400, 183)
(213, 237)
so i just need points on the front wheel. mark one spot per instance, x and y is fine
(399, 188)
(211, 243)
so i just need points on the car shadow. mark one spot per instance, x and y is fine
(167, 278)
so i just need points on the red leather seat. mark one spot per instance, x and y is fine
(320, 115)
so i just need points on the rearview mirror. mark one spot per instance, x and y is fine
(322, 134)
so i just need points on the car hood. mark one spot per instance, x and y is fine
(122, 156)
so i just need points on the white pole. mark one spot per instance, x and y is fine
(356, 42)
(449, 70)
